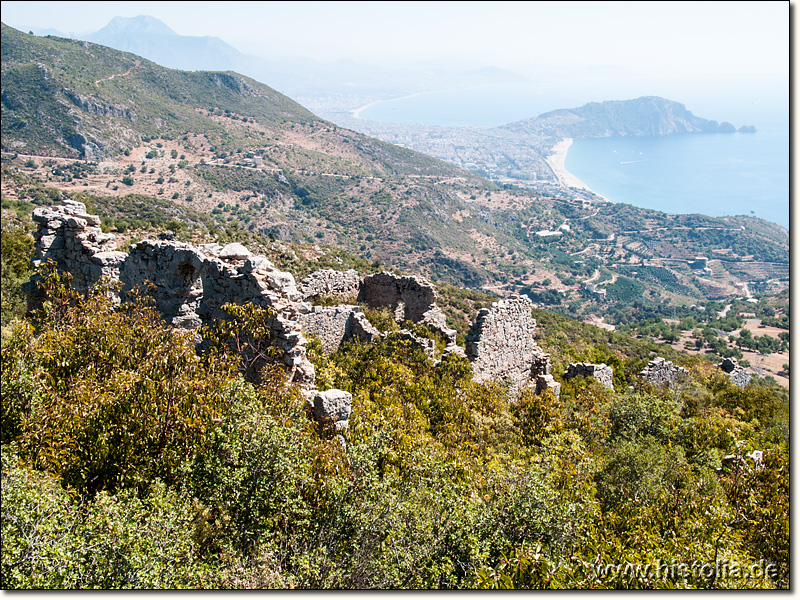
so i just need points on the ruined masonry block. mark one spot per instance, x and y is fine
(408, 297)
(501, 344)
(331, 405)
(738, 375)
(602, 372)
(661, 372)
(328, 282)
(191, 283)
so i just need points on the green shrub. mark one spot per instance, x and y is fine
(635, 415)
(51, 540)
(117, 398)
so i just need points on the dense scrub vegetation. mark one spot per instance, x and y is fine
(132, 460)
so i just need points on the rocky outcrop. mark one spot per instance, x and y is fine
(648, 115)
(660, 372)
(329, 282)
(92, 106)
(738, 375)
(602, 372)
(190, 284)
(501, 346)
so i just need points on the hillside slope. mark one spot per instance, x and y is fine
(256, 161)
(648, 115)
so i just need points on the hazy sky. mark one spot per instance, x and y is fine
(699, 52)
(696, 37)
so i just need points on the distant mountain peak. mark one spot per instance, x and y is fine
(143, 24)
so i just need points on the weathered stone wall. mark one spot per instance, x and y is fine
(72, 238)
(660, 372)
(738, 375)
(602, 372)
(407, 297)
(191, 283)
(328, 282)
(501, 345)
(334, 325)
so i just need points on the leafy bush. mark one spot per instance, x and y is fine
(115, 398)
(52, 540)
(635, 415)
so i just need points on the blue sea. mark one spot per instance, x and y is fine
(712, 174)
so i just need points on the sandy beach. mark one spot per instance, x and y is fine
(356, 112)
(556, 161)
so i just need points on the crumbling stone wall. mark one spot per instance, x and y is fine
(660, 372)
(191, 283)
(334, 325)
(408, 297)
(602, 372)
(501, 346)
(72, 238)
(738, 375)
(329, 282)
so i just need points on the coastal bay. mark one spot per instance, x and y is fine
(712, 174)
(716, 174)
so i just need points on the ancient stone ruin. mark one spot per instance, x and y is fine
(602, 372)
(329, 283)
(409, 298)
(191, 284)
(660, 372)
(501, 346)
(334, 325)
(738, 375)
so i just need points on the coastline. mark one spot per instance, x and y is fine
(356, 112)
(556, 160)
